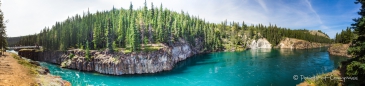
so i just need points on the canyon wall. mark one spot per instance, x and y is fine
(119, 63)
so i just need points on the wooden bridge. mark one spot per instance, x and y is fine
(24, 47)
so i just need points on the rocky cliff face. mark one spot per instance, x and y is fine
(259, 43)
(339, 50)
(55, 57)
(292, 43)
(119, 63)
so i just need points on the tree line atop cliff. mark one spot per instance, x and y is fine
(346, 36)
(131, 29)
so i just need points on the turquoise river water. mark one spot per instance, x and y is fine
(262, 67)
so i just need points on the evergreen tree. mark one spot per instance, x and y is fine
(357, 64)
(96, 35)
(109, 36)
(346, 36)
(122, 29)
(133, 36)
(3, 41)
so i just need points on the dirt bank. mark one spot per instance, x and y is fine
(11, 72)
(15, 71)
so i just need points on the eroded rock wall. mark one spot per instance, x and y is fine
(55, 57)
(119, 63)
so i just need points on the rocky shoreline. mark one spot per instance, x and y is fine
(40, 75)
(44, 78)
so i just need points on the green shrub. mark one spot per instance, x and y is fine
(71, 56)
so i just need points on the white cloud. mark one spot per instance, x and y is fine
(262, 4)
(311, 9)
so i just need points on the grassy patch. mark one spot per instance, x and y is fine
(235, 47)
(145, 48)
(126, 51)
(31, 67)
(151, 48)
(337, 45)
(327, 79)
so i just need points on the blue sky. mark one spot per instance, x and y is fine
(331, 16)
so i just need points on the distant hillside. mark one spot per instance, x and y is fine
(319, 33)
(22, 40)
(13, 40)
